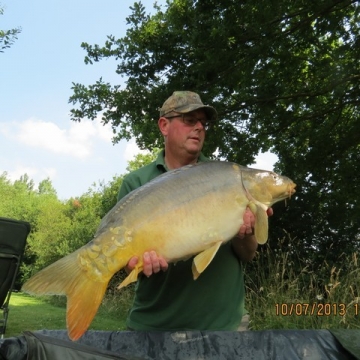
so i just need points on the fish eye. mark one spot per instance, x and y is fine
(277, 178)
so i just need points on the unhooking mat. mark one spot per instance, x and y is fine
(204, 345)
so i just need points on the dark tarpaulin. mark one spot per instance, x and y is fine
(133, 345)
(349, 339)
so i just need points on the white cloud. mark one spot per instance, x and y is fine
(265, 161)
(5, 129)
(132, 149)
(34, 173)
(21, 170)
(49, 172)
(104, 132)
(77, 140)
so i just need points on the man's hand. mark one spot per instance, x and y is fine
(248, 224)
(152, 263)
(247, 227)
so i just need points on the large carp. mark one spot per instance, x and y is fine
(185, 212)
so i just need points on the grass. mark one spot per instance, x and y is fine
(281, 297)
(29, 313)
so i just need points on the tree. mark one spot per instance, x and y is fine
(7, 37)
(46, 245)
(46, 187)
(284, 76)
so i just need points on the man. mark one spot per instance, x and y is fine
(167, 297)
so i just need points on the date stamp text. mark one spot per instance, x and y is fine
(315, 309)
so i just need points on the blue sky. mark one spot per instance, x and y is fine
(37, 136)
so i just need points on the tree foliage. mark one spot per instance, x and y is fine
(284, 76)
(7, 37)
(57, 227)
(141, 160)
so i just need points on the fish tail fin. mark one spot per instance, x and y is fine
(82, 306)
(67, 277)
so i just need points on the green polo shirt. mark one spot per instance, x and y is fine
(172, 300)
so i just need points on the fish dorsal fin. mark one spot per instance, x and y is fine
(132, 277)
(203, 259)
(261, 222)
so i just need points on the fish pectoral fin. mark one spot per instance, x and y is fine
(261, 224)
(203, 259)
(132, 277)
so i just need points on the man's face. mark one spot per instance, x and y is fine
(186, 132)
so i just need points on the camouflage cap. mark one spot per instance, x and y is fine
(186, 101)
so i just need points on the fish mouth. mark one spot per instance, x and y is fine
(291, 190)
(288, 192)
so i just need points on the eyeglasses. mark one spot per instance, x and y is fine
(191, 120)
